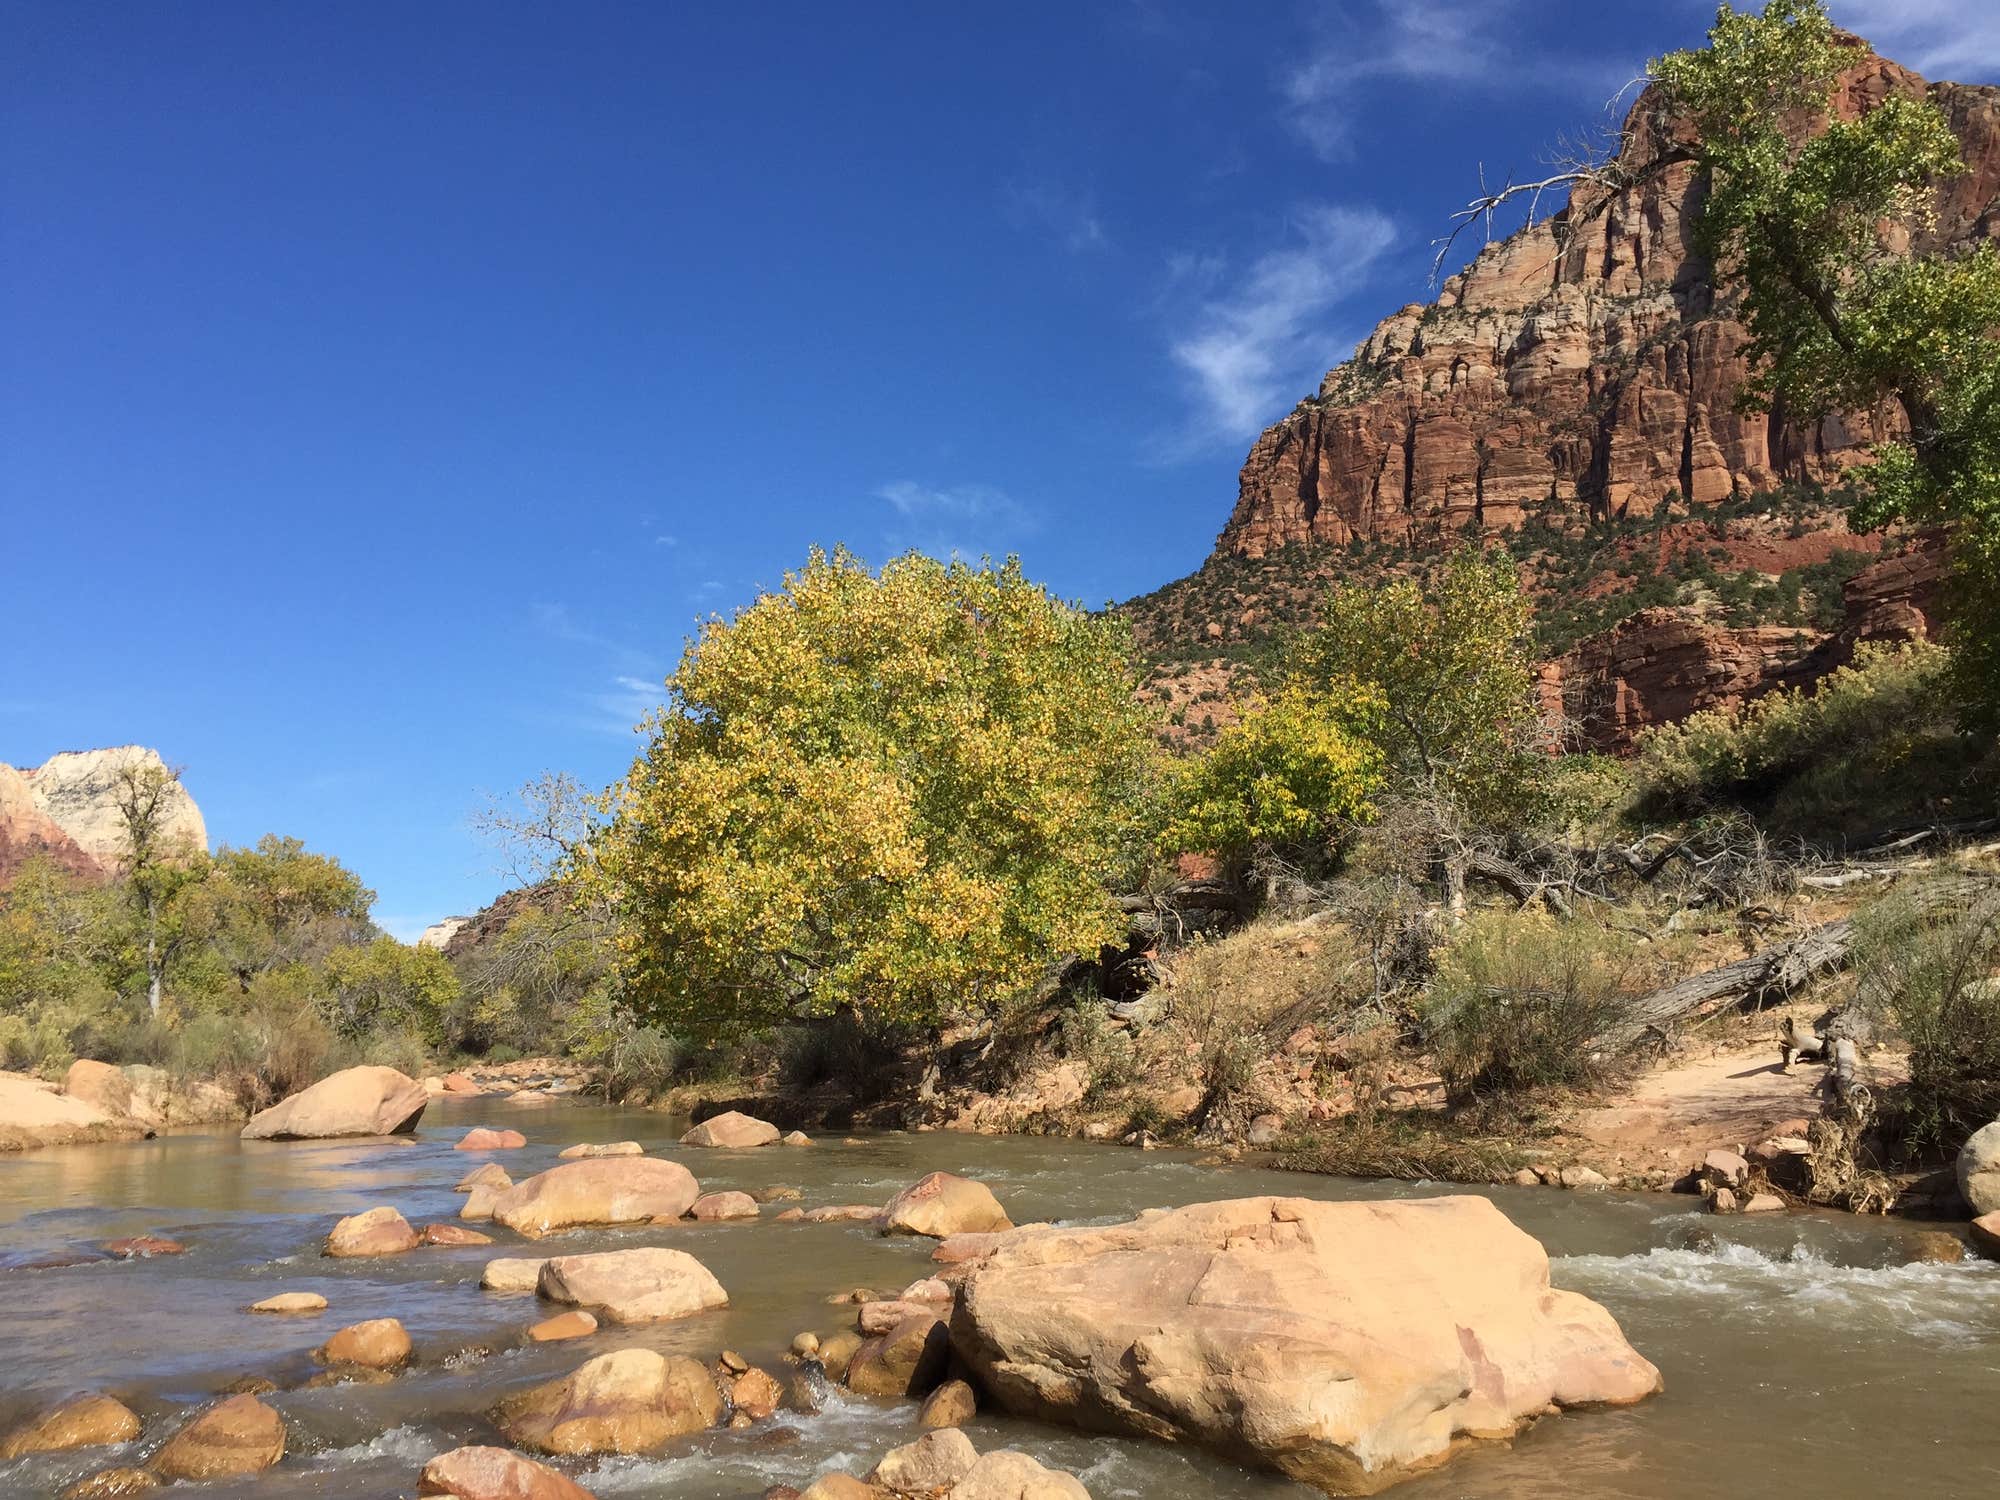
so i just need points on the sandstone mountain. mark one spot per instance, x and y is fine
(67, 810)
(1572, 396)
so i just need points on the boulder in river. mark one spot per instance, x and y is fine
(483, 1138)
(589, 1150)
(574, 1324)
(478, 1205)
(379, 1231)
(929, 1466)
(1979, 1170)
(452, 1235)
(486, 1175)
(908, 1360)
(238, 1436)
(943, 1204)
(378, 1344)
(33, 1114)
(618, 1191)
(291, 1302)
(83, 1422)
(952, 1404)
(711, 1208)
(512, 1274)
(1008, 1474)
(481, 1473)
(1985, 1232)
(354, 1101)
(732, 1128)
(112, 1484)
(631, 1401)
(645, 1285)
(1344, 1344)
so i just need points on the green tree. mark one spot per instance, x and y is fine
(897, 794)
(1451, 669)
(156, 869)
(1285, 777)
(1829, 226)
(278, 903)
(371, 989)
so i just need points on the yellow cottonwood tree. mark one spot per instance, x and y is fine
(901, 794)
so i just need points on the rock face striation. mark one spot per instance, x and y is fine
(1348, 1345)
(1590, 374)
(66, 810)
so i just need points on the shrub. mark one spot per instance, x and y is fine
(1519, 1000)
(1935, 977)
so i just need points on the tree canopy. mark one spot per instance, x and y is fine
(897, 793)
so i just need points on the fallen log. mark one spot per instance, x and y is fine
(1774, 973)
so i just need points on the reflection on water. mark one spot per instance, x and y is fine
(1801, 1357)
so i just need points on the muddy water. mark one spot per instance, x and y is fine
(1800, 1357)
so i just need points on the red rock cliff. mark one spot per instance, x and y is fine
(1598, 375)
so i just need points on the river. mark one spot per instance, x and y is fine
(1801, 1357)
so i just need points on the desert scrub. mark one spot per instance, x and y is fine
(1934, 978)
(1520, 998)
(1406, 1146)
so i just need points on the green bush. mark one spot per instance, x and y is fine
(1519, 1000)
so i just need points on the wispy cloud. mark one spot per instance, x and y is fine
(1251, 349)
(635, 675)
(1066, 216)
(961, 520)
(1462, 44)
(1955, 39)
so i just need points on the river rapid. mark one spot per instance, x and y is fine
(1801, 1357)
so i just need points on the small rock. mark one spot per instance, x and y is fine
(1985, 1232)
(1007, 1474)
(908, 1360)
(631, 1401)
(837, 1213)
(248, 1385)
(1764, 1203)
(837, 1486)
(1725, 1168)
(291, 1302)
(85, 1422)
(143, 1247)
(795, 1138)
(1265, 1130)
(1933, 1247)
(379, 1231)
(952, 1404)
(732, 1129)
(590, 1150)
(806, 1345)
(512, 1274)
(112, 1484)
(486, 1175)
(480, 1138)
(1526, 1177)
(756, 1394)
(778, 1193)
(495, 1474)
(943, 1204)
(378, 1344)
(1582, 1177)
(712, 1208)
(452, 1234)
(574, 1324)
(1722, 1201)
(790, 1216)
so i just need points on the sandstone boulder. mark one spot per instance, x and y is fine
(839, 1486)
(112, 1484)
(486, 1175)
(732, 1128)
(450, 1235)
(933, 1463)
(908, 1360)
(85, 1422)
(796, 1138)
(480, 1138)
(33, 1114)
(713, 1207)
(101, 1086)
(648, 1285)
(1985, 1232)
(839, 1213)
(574, 1324)
(1006, 1474)
(588, 1150)
(632, 1401)
(378, 1344)
(512, 1274)
(291, 1302)
(143, 1247)
(1344, 1344)
(755, 1393)
(496, 1474)
(618, 1191)
(941, 1205)
(379, 1231)
(238, 1436)
(952, 1404)
(479, 1203)
(1979, 1170)
(354, 1101)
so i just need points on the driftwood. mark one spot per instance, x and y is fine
(1772, 974)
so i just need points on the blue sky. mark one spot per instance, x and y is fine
(386, 390)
